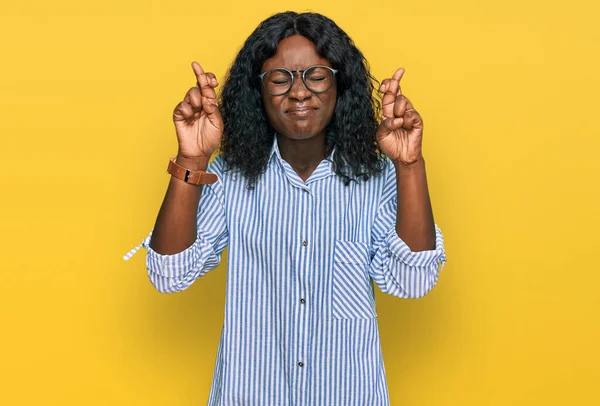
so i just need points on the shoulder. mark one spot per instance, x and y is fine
(387, 175)
(230, 181)
(216, 166)
(385, 182)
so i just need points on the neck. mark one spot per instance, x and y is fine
(303, 155)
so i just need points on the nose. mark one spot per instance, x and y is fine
(298, 90)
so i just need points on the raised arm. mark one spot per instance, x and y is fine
(400, 137)
(199, 128)
(408, 248)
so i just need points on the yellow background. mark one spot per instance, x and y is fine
(509, 91)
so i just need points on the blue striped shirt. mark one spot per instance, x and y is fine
(300, 323)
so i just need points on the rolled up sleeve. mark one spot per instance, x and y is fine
(176, 272)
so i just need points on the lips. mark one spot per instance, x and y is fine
(301, 111)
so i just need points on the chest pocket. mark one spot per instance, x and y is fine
(352, 291)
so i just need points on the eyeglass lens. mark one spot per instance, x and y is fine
(317, 80)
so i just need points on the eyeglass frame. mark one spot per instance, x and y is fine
(291, 72)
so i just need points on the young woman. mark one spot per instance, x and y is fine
(318, 190)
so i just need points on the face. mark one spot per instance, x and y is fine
(300, 113)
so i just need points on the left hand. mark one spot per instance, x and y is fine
(400, 133)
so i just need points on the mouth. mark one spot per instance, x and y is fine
(301, 111)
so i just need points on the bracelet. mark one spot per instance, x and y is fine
(194, 177)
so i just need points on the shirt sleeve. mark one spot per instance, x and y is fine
(394, 267)
(176, 272)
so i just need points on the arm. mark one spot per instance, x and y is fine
(414, 216)
(175, 228)
(190, 231)
(408, 248)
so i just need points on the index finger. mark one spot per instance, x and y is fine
(202, 81)
(394, 86)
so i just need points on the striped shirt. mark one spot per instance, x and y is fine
(300, 325)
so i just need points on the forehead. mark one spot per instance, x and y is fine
(295, 53)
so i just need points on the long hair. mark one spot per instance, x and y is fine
(248, 136)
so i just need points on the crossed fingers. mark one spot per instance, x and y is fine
(202, 96)
(397, 108)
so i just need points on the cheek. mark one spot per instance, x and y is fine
(273, 109)
(330, 109)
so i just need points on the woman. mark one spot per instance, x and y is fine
(319, 190)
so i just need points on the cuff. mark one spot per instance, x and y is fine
(173, 265)
(401, 252)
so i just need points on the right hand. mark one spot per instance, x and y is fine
(197, 119)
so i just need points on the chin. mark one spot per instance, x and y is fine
(303, 132)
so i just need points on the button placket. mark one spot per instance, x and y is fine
(304, 255)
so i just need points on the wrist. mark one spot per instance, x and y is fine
(415, 165)
(193, 163)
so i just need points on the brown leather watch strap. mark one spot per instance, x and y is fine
(189, 175)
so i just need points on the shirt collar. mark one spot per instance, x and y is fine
(324, 169)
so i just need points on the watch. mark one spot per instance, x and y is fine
(194, 177)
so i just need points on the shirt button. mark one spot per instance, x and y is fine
(304, 243)
(300, 364)
(302, 300)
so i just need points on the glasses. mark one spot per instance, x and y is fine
(279, 81)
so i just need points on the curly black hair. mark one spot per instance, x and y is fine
(248, 136)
